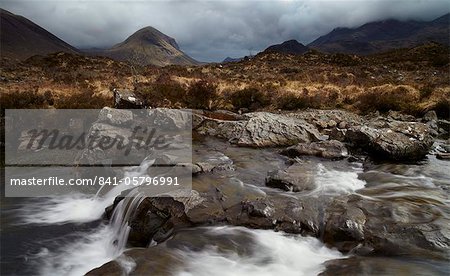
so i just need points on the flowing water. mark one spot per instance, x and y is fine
(67, 235)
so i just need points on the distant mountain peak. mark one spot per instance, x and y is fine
(149, 46)
(384, 35)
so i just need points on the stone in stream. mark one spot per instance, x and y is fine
(396, 227)
(351, 223)
(401, 141)
(170, 257)
(330, 149)
(296, 178)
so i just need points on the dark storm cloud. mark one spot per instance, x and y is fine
(212, 30)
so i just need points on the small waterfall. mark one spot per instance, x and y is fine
(120, 218)
(84, 251)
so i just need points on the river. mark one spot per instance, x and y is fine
(67, 235)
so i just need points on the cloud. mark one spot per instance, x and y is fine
(213, 30)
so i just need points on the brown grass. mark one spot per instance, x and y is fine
(409, 80)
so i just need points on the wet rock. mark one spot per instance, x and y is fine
(169, 258)
(112, 268)
(383, 227)
(344, 225)
(357, 265)
(330, 149)
(156, 260)
(296, 178)
(278, 212)
(392, 139)
(156, 218)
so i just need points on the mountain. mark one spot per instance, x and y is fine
(230, 59)
(288, 47)
(20, 38)
(384, 35)
(148, 46)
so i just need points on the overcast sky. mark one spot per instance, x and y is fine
(213, 30)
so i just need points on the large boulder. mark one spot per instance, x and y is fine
(262, 129)
(401, 141)
(366, 225)
(296, 178)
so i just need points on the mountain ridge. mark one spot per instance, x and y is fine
(384, 35)
(21, 38)
(148, 46)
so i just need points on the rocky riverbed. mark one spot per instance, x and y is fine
(367, 216)
(316, 191)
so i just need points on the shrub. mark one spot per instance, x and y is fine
(292, 101)
(48, 96)
(202, 95)
(442, 108)
(83, 100)
(387, 97)
(26, 99)
(251, 98)
(426, 91)
(164, 94)
(440, 60)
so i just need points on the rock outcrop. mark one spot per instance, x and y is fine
(401, 141)
(262, 129)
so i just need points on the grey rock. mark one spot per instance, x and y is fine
(262, 129)
(296, 178)
(330, 149)
(115, 116)
(429, 116)
(392, 139)
(171, 119)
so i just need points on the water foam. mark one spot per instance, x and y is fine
(276, 254)
(76, 207)
(330, 181)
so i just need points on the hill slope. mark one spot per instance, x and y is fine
(288, 47)
(383, 36)
(148, 46)
(20, 38)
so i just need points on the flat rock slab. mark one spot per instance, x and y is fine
(262, 129)
(330, 149)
